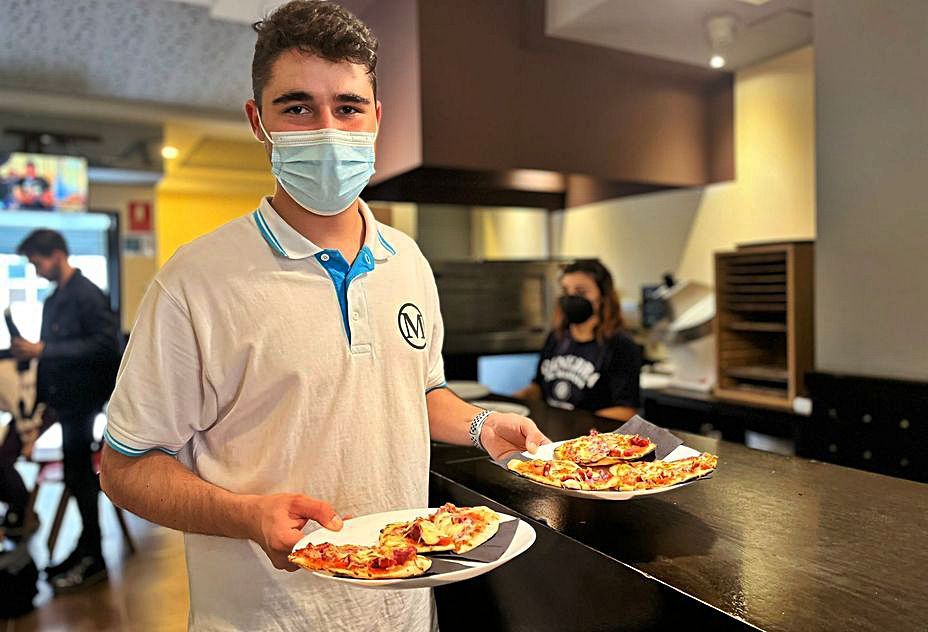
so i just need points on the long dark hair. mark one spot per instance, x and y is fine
(610, 311)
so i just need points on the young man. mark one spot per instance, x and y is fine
(78, 356)
(291, 360)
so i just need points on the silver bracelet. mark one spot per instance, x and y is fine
(476, 426)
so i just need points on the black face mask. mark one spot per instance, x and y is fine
(576, 309)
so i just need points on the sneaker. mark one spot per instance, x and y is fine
(64, 565)
(88, 571)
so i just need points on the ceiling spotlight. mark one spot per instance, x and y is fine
(169, 152)
(720, 31)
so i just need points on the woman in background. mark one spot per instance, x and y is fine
(588, 361)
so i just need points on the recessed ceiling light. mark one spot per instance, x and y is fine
(169, 152)
(717, 61)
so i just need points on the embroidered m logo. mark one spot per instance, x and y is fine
(412, 326)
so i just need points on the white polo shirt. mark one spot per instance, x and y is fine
(268, 364)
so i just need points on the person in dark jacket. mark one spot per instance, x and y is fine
(78, 356)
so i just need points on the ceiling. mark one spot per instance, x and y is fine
(191, 53)
(197, 53)
(248, 11)
(676, 29)
(164, 52)
(133, 65)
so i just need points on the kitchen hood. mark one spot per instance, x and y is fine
(481, 107)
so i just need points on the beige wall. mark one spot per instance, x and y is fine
(443, 232)
(509, 233)
(773, 194)
(405, 218)
(137, 272)
(872, 147)
(638, 239)
(772, 197)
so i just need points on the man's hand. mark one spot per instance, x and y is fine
(280, 519)
(504, 434)
(22, 349)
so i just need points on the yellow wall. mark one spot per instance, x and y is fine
(182, 217)
(772, 197)
(194, 198)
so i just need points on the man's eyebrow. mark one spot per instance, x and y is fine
(292, 95)
(301, 95)
(351, 97)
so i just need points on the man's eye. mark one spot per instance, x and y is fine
(297, 109)
(347, 110)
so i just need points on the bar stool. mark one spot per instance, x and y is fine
(51, 470)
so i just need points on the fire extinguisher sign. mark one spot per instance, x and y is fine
(140, 216)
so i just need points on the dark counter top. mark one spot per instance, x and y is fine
(782, 543)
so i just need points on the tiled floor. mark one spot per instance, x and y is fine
(145, 591)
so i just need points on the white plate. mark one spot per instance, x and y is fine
(546, 453)
(469, 390)
(503, 407)
(365, 530)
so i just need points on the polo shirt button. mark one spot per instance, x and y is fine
(324, 257)
(355, 316)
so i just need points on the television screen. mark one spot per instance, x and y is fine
(40, 182)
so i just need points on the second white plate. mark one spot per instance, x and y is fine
(546, 453)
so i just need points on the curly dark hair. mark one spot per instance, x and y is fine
(317, 27)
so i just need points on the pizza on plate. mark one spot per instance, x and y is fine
(655, 474)
(607, 448)
(639, 475)
(361, 562)
(449, 528)
(567, 474)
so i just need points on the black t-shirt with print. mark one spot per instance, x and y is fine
(589, 375)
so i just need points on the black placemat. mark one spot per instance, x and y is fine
(440, 567)
(489, 551)
(665, 441)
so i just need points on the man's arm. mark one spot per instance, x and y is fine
(160, 489)
(503, 434)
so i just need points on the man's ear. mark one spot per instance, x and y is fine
(251, 111)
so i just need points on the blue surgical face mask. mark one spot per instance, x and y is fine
(323, 170)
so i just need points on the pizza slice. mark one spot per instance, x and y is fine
(558, 473)
(449, 528)
(655, 474)
(361, 562)
(623, 447)
(566, 474)
(608, 448)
